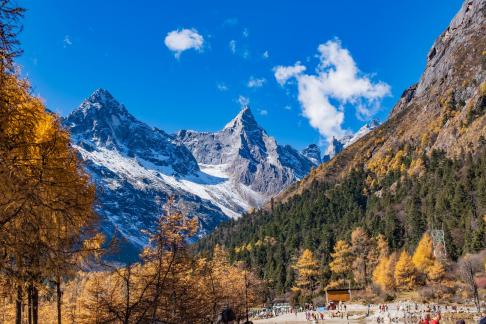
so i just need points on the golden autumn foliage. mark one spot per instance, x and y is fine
(169, 285)
(341, 258)
(384, 273)
(436, 271)
(47, 222)
(381, 275)
(307, 269)
(423, 257)
(382, 246)
(405, 277)
(365, 254)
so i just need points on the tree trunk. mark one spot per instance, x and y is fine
(35, 305)
(29, 303)
(18, 306)
(476, 298)
(59, 300)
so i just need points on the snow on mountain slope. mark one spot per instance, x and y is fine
(252, 160)
(339, 144)
(313, 154)
(213, 176)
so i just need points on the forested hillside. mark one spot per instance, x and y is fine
(423, 169)
(444, 110)
(449, 194)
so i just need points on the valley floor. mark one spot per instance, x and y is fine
(300, 318)
(395, 314)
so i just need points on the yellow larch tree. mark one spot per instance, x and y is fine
(380, 274)
(382, 246)
(436, 271)
(405, 277)
(362, 249)
(423, 257)
(307, 269)
(341, 264)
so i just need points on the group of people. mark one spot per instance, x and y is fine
(314, 316)
(430, 319)
(410, 312)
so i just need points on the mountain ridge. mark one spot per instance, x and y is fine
(443, 110)
(423, 169)
(137, 167)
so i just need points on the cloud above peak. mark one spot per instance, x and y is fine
(284, 73)
(336, 83)
(182, 40)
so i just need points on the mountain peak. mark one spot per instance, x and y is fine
(101, 94)
(101, 100)
(373, 123)
(313, 154)
(245, 119)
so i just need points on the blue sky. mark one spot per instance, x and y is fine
(234, 49)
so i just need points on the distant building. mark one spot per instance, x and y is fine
(340, 294)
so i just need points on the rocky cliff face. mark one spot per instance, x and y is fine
(445, 110)
(313, 154)
(248, 156)
(212, 176)
(339, 144)
(101, 121)
(136, 168)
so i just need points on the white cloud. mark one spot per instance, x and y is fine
(182, 40)
(284, 73)
(256, 82)
(266, 55)
(67, 41)
(232, 46)
(336, 83)
(244, 101)
(222, 86)
(287, 107)
(263, 112)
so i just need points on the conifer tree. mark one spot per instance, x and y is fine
(380, 274)
(405, 272)
(436, 271)
(342, 260)
(423, 257)
(307, 269)
(364, 254)
(382, 246)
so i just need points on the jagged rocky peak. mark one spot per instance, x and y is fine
(248, 155)
(365, 129)
(244, 120)
(102, 100)
(102, 122)
(373, 123)
(336, 144)
(313, 154)
(99, 111)
(242, 136)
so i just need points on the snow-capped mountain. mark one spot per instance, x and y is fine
(338, 144)
(251, 159)
(313, 154)
(213, 176)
